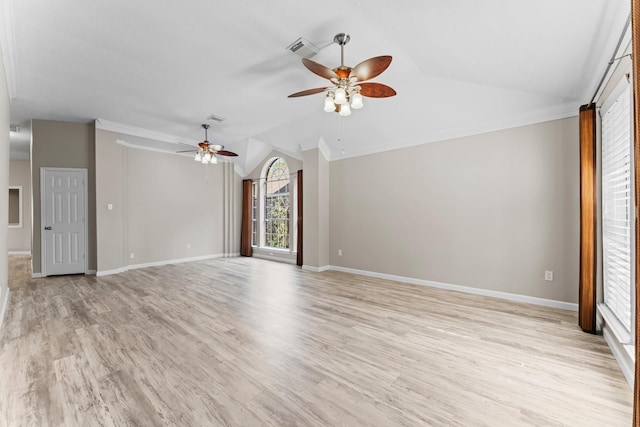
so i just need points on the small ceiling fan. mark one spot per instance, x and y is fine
(207, 152)
(349, 85)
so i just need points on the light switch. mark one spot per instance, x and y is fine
(110, 207)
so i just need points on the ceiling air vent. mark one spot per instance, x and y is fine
(303, 48)
(214, 118)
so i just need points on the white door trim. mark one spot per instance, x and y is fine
(43, 242)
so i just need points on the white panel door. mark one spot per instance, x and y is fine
(63, 220)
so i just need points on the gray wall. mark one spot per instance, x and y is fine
(172, 202)
(111, 234)
(4, 185)
(162, 203)
(315, 224)
(19, 239)
(310, 210)
(491, 211)
(62, 145)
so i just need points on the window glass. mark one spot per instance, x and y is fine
(277, 205)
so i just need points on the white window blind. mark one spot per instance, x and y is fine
(617, 207)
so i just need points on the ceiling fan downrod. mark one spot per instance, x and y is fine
(206, 127)
(341, 39)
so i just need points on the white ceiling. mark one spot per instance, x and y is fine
(155, 70)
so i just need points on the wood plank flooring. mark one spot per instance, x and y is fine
(247, 342)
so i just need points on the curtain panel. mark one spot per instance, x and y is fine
(588, 206)
(299, 245)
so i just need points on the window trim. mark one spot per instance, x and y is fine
(259, 248)
(20, 222)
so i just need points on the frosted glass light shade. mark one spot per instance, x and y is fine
(207, 157)
(345, 110)
(356, 101)
(198, 157)
(341, 96)
(214, 160)
(329, 106)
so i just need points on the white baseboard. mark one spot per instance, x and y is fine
(36, 275)
(3, 305)
(159, 263)
(317, 269)
(466, 289)
(174, 261)
(110, 272)
(19, 252)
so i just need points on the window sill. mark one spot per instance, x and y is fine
(274, 254)
(610, 319)
(619, 341)
(618, 330)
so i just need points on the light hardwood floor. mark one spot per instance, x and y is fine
(246, 342)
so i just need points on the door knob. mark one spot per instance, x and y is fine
(47, 228)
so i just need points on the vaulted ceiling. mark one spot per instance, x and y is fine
(153, 71)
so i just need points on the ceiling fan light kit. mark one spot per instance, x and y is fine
(349, 85)
(208, 153)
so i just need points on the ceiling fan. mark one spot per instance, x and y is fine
(207, 152)
(349, 85)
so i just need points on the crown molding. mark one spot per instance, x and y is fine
(558, 112)
(142, 147)
(122, 128)
(309, 144)
(323, 147)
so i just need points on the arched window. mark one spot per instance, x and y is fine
(277, 205)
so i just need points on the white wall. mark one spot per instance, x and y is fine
(19, 239)
(4, 188)
(490, 211)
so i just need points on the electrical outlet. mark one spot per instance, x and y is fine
(339, 252)
(188, 245)
(548, 276)
(132, 255)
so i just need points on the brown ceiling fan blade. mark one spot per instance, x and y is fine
(307, 92)
(372, 67)
(226, 153)
(319, 69)
(376, 90)
(187, 151)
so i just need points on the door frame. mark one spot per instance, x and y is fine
(43, 242)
